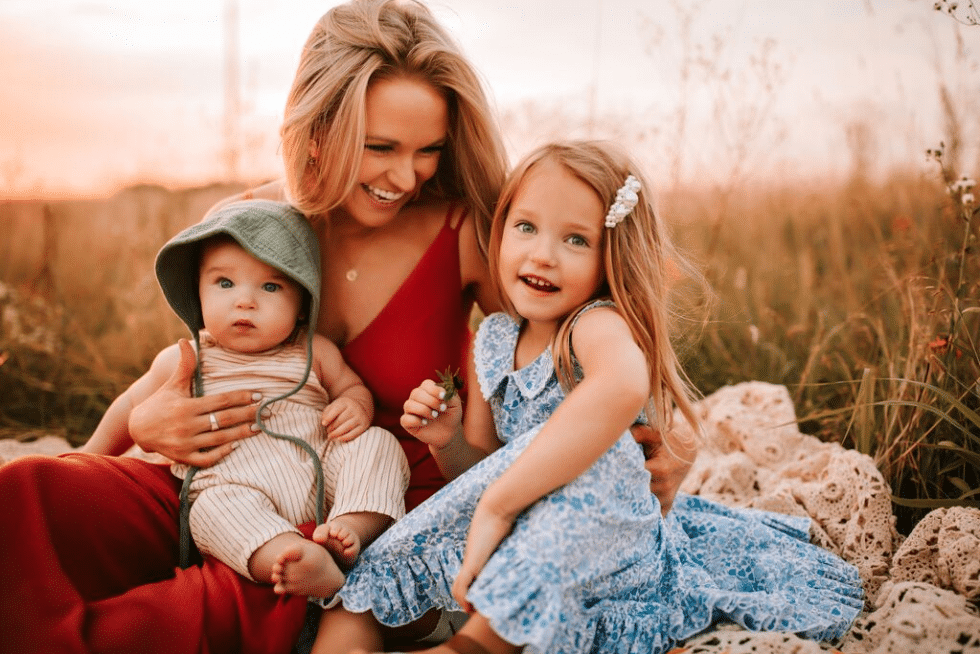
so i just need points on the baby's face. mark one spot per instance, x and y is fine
(248, 305)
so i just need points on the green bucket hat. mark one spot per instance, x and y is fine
(272, 232)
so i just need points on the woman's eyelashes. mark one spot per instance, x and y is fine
(384, 148)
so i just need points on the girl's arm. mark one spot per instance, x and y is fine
(351, 408)
(456, 442)
(111, 436)
(479, 435)
(588, 422)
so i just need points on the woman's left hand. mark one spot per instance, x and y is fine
(487, 530)
(667, 471)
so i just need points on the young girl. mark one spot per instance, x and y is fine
(246, 281)
(554, 542)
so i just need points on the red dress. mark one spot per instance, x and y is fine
(88, 543)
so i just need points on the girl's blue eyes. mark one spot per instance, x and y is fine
(574, 239)
(225, 283)
(271, 287)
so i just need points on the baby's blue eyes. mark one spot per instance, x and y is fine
(268, 287)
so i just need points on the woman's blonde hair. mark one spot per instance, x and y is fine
(640, 264)
(354, 44)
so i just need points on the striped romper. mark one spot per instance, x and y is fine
(267, 485)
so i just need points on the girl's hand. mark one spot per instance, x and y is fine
(345, 419)
(429, 417)
(178, 426)
(487, 530)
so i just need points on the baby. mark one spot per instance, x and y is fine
(246, 281)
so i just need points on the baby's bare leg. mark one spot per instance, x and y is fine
(296, 565)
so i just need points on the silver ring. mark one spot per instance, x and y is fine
(214, 422)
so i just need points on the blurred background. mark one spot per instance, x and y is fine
(815, 157)
(101, 94)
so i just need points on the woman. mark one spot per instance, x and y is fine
(390, 148)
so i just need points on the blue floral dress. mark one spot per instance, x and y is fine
(593, 567)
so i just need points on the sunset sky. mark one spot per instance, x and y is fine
(101, 93)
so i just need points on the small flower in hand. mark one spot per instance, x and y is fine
(450, 382)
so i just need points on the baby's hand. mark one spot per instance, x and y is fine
(430, 417)
(345, 419)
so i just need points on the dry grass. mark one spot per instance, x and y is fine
(861, 298)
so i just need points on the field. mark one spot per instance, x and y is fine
(862, 298)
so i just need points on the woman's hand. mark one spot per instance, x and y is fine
(487, 530)
(179, 426)
(667, 471)
(429, 417)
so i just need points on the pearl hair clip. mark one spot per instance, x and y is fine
(626, 199)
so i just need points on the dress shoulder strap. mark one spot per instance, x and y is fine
(455, 216)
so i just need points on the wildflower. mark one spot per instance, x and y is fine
(901, 224)
(939, 344)
(450, 382)
(963, 184)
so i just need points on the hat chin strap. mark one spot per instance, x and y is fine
(185, 504)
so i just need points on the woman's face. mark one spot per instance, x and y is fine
(407, 121)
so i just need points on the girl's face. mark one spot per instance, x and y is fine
(407, 122)
(248, 306)
(551, 246)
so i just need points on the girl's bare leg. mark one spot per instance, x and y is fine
(476, 637)
(341, 632)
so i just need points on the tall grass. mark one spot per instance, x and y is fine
(864, 300)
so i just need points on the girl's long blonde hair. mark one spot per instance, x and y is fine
(354, 44)
(640, 264)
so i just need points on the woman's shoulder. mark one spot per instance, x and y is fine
(274, 190)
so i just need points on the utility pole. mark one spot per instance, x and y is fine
(232, 92)
(596, 62)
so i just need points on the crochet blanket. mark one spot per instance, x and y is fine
(923, 591)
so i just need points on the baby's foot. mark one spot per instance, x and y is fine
(340, 540)
(307, 569)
